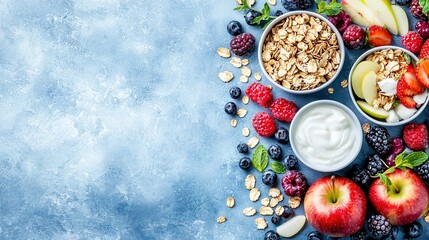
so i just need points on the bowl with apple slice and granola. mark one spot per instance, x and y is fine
(384, 86)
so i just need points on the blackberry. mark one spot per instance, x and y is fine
(379, 139)
(403, 2)
(413, 230)
(275, 220)
(379, 226)
(314, 235)
(234, 28)
(374, 164)
(296, 4)
(279, 13)
(275, 151)
(360, 176)
(294, 184)
(287, 212)
(417, 11)
(269, 178)
(245, 163)
(271, 235)
(290, 162)
(242, 44)
(235, 92)
(423, 171)
(361, 235)
(231, 108)
(282, 135)
(242, 148)
(250, 15)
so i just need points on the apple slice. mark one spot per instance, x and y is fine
(401, 20)
(362, 69)
(356, 16)
(292, 226)
(360, 13)
(369, 87)
(384, 11)
(379, 113)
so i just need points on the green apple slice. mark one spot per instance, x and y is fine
(362, 69)
(292, 226)
(383, 9)
(379, 113)
(401, 20)
(369, 87)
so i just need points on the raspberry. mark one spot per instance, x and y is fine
(259, 94)
(416, 136)
(422, 28)
(264, 124)
(379, 139)
(412, 41)
(341, 21)
(354, 37)
(417, 11)
(242, 44)
(294, 183)
(283, 109)
(379, 226)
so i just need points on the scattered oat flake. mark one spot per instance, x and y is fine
(279, 198)
(254, 194)
(294, 202)
(244, 79)
(257, 76)
(261, 223)
(274, 192)
(230, 202)
(245, 131)
(427, 218)
(246, 71)
(273, 202)
(239, 1)
(265, 202)
(245, 62)
(225, 76)
(236, 62)
(245, 99)
(241, 112)
(366, 127)
(279, 210)
(250, 182)
(330, 90)
(272, 2)
(251, 2)
(266, 211)
(233, 122)
(221, 219)
(269, 86)
(224, 52)
(249, 211)
(344, 83)
(253, 142)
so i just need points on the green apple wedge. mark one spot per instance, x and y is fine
(369, 87)
(383, 9)
(401, 20)
(362, 69)
(378, 113)
(360, 13)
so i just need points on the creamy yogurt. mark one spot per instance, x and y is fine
(325, 135)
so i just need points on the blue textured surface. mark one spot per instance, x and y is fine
(112, 122)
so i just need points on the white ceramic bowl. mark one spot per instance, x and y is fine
(281, 18)
(354, 97)
(313, 135)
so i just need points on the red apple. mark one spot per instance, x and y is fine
(335, 206)
(405, 202)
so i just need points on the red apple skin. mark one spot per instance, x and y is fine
(340, 219)
(404, 207)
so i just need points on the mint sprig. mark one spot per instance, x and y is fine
(260, 158)
(265, 13)
(331, 9)
(278, 167)
(425, 6)
(402, 162)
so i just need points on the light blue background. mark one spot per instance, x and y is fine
(112, 123)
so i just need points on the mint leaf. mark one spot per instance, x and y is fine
(266, 10)
(278, 167)
(258, 19)
(260, 158)
(425, 6)
(399, 159)
(390, 170)
(407, 58)
(332, 9)
(385, 180)
(415, 159)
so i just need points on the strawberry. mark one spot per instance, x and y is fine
(422, 71)
(379, 36)
(424, 53)
(407, 101)
(411, 80)
(402, 88)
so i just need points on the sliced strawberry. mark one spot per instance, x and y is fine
(407, 101)
(402, 88)
(379, 36)
(411, 69)
(411, 80)
(422, 71)
(424, 53)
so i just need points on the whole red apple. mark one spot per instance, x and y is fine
(335, 206)
(406, 200)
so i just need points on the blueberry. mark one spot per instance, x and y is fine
(231, 108)
(235, 92)
(242, 148)
(245, 163)
(271, 235)
(279, 13)
(403, 2)
(250, 15)
(275, 152)
(314, 235)
(282, 135)
(287, 212)
(234, 28)
(275, 220)
(413, 230)
(269, 178)
(290, 162)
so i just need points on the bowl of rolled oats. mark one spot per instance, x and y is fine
(301, 52)
(384, 87)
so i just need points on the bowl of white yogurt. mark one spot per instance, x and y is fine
(326, 135)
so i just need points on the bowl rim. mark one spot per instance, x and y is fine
(279, 19)
(353, 153)
(353, 98)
